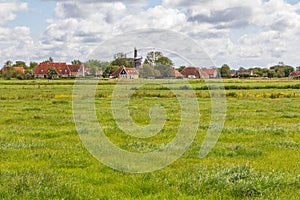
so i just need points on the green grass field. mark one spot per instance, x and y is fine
(257, 155)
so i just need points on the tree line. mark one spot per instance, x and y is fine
(155, 64)
(279, 71)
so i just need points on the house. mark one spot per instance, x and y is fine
(210, 73)
(191, 72)
(244, 73)
(295, 74)
(41, 71)
(62, 69)
(177, 74)
(195, 72)
(77, 70)
(125, 73)
(17, 68)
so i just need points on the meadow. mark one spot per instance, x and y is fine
(256, 157)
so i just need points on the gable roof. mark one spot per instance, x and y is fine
(177, 73)
(17, 68)
(191, 71)
(294, 74)
(61, 68)
(75, 67)
(117, 72)
(130, 71)
(210, 72)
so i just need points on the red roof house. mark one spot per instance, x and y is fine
(20, 69)
(194, 72)
(17, 68)
(191, 72)
(127, 73)
(294, 74)
(210, 73)
(63, 69)
(77, 70)
(41, 70)
(177, 74)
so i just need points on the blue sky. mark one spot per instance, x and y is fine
(36, 16)
(240, 33)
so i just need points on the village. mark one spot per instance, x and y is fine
(155, 66)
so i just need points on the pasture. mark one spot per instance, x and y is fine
(257, 155)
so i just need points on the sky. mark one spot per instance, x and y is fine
(240, 33)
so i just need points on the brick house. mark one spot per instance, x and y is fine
(62, 69)
(125, 73)
(295, 74)
(191, 72)
(194, 72)
(210, 73)
(17, 68)
(177, 74)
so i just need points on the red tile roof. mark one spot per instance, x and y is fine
(117, 72)
(294, 74)
(130, 71)
(210, 71)
(61, 68)
(191, 71)
(76, 67)
(177, 73)
(17, 68)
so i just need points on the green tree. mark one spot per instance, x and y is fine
(12, 73)
(225, 71)
(119, 55)
(163, 60)
(33, 65)
(152, 57)
(181, 68)
(148, 71)
(160, 63)
(96, 65)
(282, 70)
(165, 70)
(51, 73)
(8, 63)
(120, 59)
(127, 62)
(109, 70)
(50, 59)
(21, 64)
(260, 72)
(76, 62)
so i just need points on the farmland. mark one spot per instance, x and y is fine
(256, 156)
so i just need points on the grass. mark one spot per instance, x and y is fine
(256, 157)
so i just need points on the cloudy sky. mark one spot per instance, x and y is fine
(241, 33)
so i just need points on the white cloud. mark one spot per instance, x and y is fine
(78, 34)
(15, 42)
(240, 33)
(8, 10)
